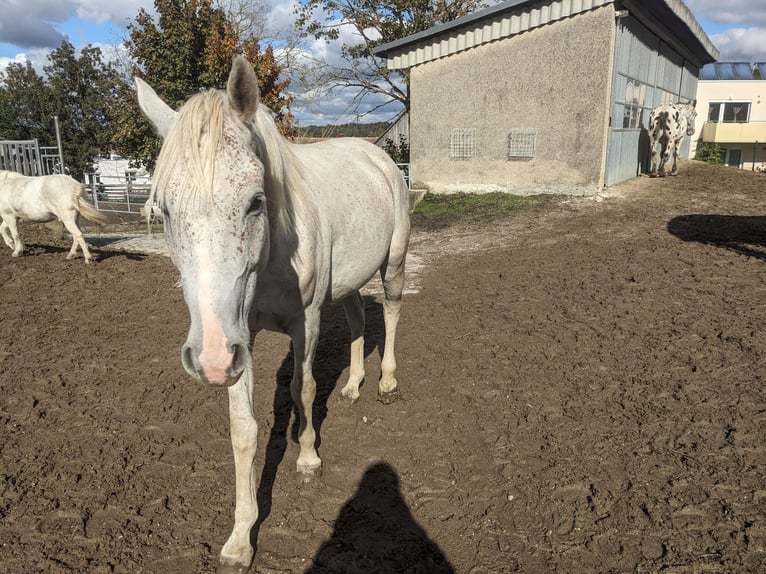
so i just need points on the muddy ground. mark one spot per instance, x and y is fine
(583, 391)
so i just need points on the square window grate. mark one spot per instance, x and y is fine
(521, 143)
(462, 143)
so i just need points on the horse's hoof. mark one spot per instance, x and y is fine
(232, 568)
(308, 474)
(389, 397)
(352, 394)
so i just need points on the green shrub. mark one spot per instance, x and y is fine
(709, 152)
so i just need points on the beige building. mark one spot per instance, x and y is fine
(731, 112)
(552, 95)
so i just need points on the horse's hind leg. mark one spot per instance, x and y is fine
(353, 305)
(70, 222)
(393, 285)
(674, 169)
(664, 156)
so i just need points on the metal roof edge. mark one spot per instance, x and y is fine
(383, 50)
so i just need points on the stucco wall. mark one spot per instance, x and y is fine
(555, 79)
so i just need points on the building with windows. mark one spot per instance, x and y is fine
(547, 95)
(731, 112)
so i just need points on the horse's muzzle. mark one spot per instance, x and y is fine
(220, 375)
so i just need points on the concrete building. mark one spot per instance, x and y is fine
(545, 96)
(731, 105)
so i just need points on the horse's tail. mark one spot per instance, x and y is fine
(89, 212)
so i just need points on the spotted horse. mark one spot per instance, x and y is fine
(668, 124)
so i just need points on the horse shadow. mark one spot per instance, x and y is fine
(743, 234)
(644, 152)
(331, 358)
(375, 532)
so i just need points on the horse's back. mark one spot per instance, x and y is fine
(40, 198)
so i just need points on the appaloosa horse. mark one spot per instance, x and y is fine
(264, 232)
(668, 124)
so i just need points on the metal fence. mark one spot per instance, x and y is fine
(27, 157)
(405, 169)
(118, 194)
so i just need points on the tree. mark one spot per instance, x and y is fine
(25, 111)
(77, 89)
(82, 91)
(187, 49)
(374, 22)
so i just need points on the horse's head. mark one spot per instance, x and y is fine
(691, 117)
(209, 183)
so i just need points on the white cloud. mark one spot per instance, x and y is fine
(32, 24)
(741, 44)
(117, 11)
(742, 12)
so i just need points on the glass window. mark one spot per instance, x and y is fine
(714, 112)
(736, 112)
(633, 117)
(635, 92)
(729, 112)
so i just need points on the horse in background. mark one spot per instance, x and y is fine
(41, 199)
(668, 124)
(264, 233)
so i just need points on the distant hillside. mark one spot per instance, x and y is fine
(372, 130)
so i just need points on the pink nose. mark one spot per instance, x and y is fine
(219, 368)
(215, 364)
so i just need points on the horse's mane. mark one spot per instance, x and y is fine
(189, 153)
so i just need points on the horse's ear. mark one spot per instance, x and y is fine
(158, 112)
(242, 89)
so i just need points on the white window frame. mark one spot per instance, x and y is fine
(723, 104)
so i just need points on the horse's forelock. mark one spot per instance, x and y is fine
(188, 158)
(189, 149)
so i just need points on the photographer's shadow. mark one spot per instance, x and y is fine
(376, 533)
(743, 234)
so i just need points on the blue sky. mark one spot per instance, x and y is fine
(29, 29)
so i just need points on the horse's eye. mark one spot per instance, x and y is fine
(257, 203)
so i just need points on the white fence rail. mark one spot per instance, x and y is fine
(118, 194)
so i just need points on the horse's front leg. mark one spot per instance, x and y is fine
(303, 390)
(6, 234)
(237, 553)
(18, 245)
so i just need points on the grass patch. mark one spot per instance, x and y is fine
(439, 211)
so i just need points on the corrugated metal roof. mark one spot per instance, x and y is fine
(515, 16)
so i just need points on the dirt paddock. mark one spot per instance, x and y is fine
(583, 391)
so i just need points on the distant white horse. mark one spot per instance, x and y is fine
(264, 232)
(40, 199)
(151, 213)
(668, 124)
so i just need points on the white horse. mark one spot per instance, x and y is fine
(668, 124)
(151, 213)
(40, 199)
(264, 232)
